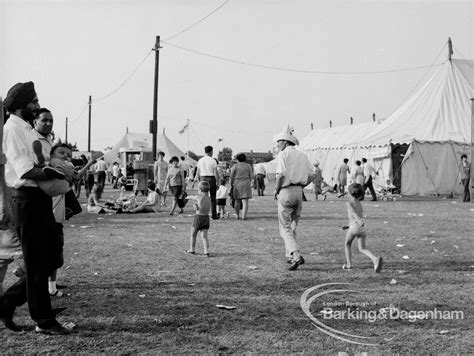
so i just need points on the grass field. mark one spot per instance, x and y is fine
(135, 291)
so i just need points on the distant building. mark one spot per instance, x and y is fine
(254, 157)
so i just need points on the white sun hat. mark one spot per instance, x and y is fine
(287, 135)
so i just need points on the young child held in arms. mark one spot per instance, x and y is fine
(357, 228)
(221, 196)
(201, 219)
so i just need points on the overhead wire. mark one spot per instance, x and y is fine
(198, 22)
(126, 80)
(294, 70)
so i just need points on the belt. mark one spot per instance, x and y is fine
(27, 192)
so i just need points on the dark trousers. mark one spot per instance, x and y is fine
(212, 192)
(260, 179)
(34, 221)
(467, 193)
(371, 188)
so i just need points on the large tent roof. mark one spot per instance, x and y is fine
(143, 140)
(439, 111)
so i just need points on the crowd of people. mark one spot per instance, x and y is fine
(40, 177)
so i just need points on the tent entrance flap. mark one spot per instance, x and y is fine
(398, 154)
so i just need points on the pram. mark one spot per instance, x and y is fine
(389, 192)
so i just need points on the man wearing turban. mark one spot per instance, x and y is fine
(32, 214)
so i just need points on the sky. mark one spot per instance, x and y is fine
(239, 70)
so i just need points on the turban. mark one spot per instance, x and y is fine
(19, 95)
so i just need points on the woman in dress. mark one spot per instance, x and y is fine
(160, 171)
(176, 183)
(241, 176)
(358, 174)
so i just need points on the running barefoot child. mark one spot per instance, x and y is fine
(357, 228)
(201, 219)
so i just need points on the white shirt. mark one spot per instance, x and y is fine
(207, 166)
(221, 192)
(259, 169)
(369, 170)
(46, 144)
(294, 166)
(101, 166)
(17, 147)
(115, 170)
(184, 166)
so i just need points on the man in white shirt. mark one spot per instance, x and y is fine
(207, 172)
(101, 168)
(115, 174)
(259, 173)
(294, 171)
(32, 214)
(369, 174)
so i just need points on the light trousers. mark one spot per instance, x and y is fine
(290, 204)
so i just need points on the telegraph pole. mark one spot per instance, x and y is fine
(154, 123)
(66, 129)
(187, 152)
(89, 135)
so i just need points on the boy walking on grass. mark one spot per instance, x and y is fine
(201, 219)
(356, 228)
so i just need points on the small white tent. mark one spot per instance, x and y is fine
(144, 140)
(419, 145)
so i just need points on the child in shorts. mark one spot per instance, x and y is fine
(201, 219)
(221, 198)
(356, 228)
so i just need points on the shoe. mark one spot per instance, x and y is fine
(378, 265)
(57, 329)
(295, 264)
(216, 217)
(374, 200)
(60, 286)
(53, 173)
(344, 266)
(7, 318)
(59, 294)
(207, 254)
(189, 252)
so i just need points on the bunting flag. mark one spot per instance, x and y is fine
(183, 130)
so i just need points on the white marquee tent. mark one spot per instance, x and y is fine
(136, 140)
(418, 146)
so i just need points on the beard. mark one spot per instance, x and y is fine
(28, 115)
